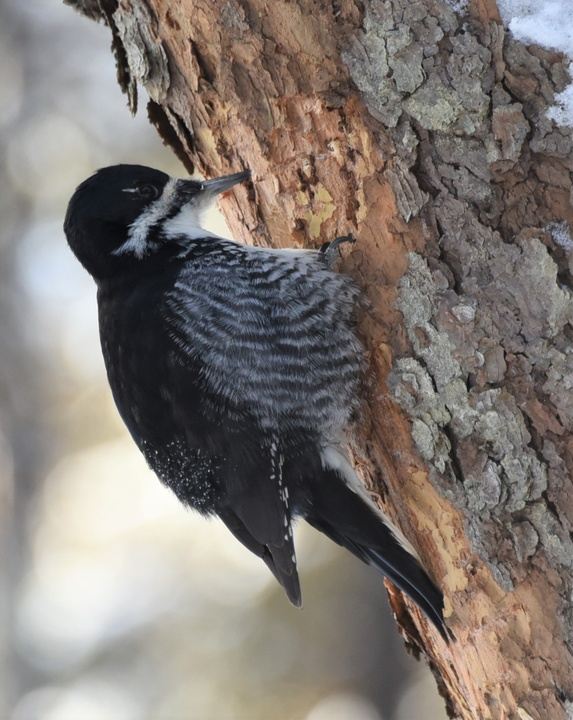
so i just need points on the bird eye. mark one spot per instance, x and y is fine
(149, 192)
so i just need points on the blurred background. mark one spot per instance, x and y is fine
(116, 603)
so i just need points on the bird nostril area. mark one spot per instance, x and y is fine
(187, 189)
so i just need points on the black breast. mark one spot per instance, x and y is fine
(137, 352)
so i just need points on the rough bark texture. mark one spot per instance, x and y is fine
(423, 132)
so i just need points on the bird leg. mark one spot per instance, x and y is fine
(328, 248)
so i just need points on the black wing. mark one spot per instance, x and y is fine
(265, 360)
(201, 440)
(252, 496)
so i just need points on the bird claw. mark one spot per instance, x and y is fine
(328, 248)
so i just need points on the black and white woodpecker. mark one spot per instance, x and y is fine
(236, 370)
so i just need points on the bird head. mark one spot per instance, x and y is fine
(123, 215)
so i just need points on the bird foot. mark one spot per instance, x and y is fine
(328, 248)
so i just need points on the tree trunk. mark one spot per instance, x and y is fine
(422, 132)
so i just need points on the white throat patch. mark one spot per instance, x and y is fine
(187, 222)
(136, 242)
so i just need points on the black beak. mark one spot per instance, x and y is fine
(219, 185)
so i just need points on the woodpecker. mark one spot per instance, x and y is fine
(236, 370)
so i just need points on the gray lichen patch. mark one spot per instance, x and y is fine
(434, 106)
(480, 96)
(476, 436)
(464, 167)
(404, 59)
(415, 391)
(410, 199)
(397, 64)
(516, 283)
(367, 62)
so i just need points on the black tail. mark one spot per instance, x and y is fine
(280, 559)
(348, 518)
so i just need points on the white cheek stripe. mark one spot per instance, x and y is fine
(136, 242)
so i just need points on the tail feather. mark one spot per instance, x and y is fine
(351, 521)
(280, 559)
(418, 586)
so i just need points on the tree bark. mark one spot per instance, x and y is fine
(423, 132)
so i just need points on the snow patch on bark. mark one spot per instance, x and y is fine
(549, 24)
